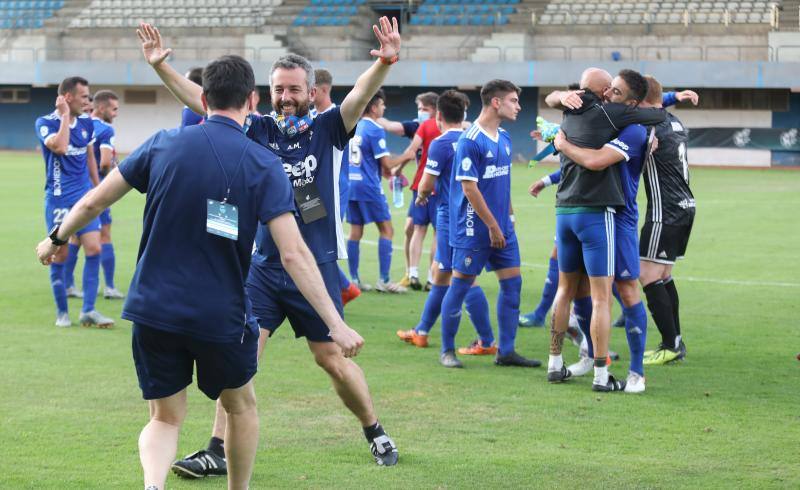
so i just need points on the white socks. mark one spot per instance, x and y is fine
(601, 375)
(555, 363)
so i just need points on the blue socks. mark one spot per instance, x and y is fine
(108, 261)
(384, 258)
(636, 330)
(478, 311)
(549, 290)
(451, 311)
(344, 282)
(352, 258)
(432, 309)
(59, 289)
(91, 278)
(508, 313)
(69, 265)
(583, 311)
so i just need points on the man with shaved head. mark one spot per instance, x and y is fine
(585, 205)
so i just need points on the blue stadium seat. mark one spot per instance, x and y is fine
(299, 21)
(416, 20)
(452, 20)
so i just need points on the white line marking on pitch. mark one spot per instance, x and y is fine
(734, 282)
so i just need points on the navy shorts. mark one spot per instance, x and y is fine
(585, 241)
(365, 212)
(55, 210)
(423, 215)
(626, 258)
(275, 297)
(473, 261)
(105, 217)
(444, 252)
(165, 362)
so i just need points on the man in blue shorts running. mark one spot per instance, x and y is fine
(305, 145)
(208, 188)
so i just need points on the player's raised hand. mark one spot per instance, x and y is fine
(62, 107)
(571, 99)
(46, 251)
(536, 188)
(152, 47)
(348, 340)
(688, 95)
(388, 35)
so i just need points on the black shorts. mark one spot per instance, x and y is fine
(165, 362)
(275, 297)
(664, 243)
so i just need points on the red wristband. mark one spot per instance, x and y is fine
(390, 61)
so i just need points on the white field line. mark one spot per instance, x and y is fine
(710, 280)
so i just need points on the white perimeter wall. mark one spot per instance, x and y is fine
(709, 119)
(137, 122)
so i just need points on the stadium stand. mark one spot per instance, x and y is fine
(29, 14)
(638, 12)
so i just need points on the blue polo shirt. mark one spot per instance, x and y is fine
(189, 281)
(190, 118)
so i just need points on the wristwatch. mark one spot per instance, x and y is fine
(54, 237)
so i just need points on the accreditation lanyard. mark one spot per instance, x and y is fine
(222, 219)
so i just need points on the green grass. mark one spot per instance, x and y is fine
(726, 417)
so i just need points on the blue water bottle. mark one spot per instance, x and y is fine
(397, 191)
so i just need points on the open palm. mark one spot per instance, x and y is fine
(388, 35)
(152, 47)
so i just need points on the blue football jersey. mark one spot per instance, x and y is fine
(103, 138)
(631, 143)
(190, 118)
(440, 163)
(486, 160)
(308, 158)
(67, 176)
(366, 149)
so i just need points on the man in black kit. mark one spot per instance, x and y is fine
(667, 226)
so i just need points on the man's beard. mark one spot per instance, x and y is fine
(298, 109)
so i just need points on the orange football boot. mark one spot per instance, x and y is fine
(352, 292)
(476, 349)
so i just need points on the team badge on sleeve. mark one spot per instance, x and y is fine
(466, 164)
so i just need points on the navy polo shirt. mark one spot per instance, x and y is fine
(187, 280)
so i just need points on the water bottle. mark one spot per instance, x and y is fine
(397, 191)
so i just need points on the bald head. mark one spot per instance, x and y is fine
(596, 80)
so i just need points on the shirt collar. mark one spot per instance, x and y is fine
(226, 121)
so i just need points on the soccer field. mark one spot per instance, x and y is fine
(726, 417)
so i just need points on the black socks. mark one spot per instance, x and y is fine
(660, 305)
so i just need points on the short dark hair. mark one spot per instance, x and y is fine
(574, 86)
(428, 99)
(323, 77)
(227, 82)
(293, 61)
(103, 96)
(497, 88)
(68, 84)
(196, 75)
(637, 85)
(451, 104)
(654, 90)
(379, 95)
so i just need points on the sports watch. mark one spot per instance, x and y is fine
(54, 236)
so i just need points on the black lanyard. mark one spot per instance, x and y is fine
(219, 161)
